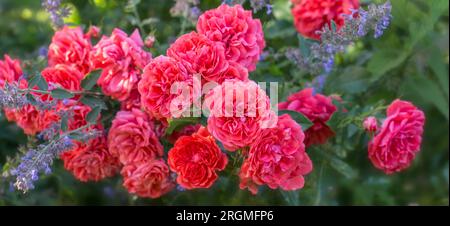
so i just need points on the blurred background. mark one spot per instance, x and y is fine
(410, 61)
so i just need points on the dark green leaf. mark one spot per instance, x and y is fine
(31, 99)
(39, 81)
(92, 116)
(76, 136)
(90, 80)
(61, 94)
(64, 122)
(93, 102)
(298, 117)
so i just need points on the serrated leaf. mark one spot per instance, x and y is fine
(92, 116)
(298, 117)
(90, 80)
(93, 102)
(61, 94)
(179, 123)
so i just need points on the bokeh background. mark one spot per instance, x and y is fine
(410, 62)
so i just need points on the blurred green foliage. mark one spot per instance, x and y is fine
(409, 62)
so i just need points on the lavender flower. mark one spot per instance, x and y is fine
(187, 9)
(37, 160)
(11, 97)
(256, 5)
(57, 12)
(357, 24)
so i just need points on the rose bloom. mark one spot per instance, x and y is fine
(399, 138)
(237, 112)
(132, 138)
(310, 16)
(121, 58)
(10, 70)
(33, 121)
(199, 55)
(196, 159)
(91, 161)
(317, 108)
(234, 28)
(63, 76)
(148, 179)
(156, 83)
(71, 47)
(277, 158)
(370, 124)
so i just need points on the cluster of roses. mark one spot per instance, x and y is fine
(224, 49)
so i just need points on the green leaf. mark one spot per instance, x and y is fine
(31, 99)
(90, 80)
(333, 26)
(178, 123)
(298, 117)
(64, 122)
(76, 136)
(305, 45)
(92, 116)
(93, 102)
(39, 81)
(61, 94)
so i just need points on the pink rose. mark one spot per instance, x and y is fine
(238, 111)
(235, 29)
(148, 179)
(91, 161)
(199, 55)
(70, 47)
(370, 124)
(317, 108)
(132, 138)
(399, 139)
(121, 58)
(277, 158)
(155, 87)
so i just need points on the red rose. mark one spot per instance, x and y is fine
(317, 108)
(235, 29)
(196, 159)
(148, 178)
(91, 161)
(63, 76)
(70, 47)
(399, 139)
(277, 158)
(156, 83)
(132, 138)
(310, 16)
(10, 71)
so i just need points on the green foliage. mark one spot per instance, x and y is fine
(410, 61)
